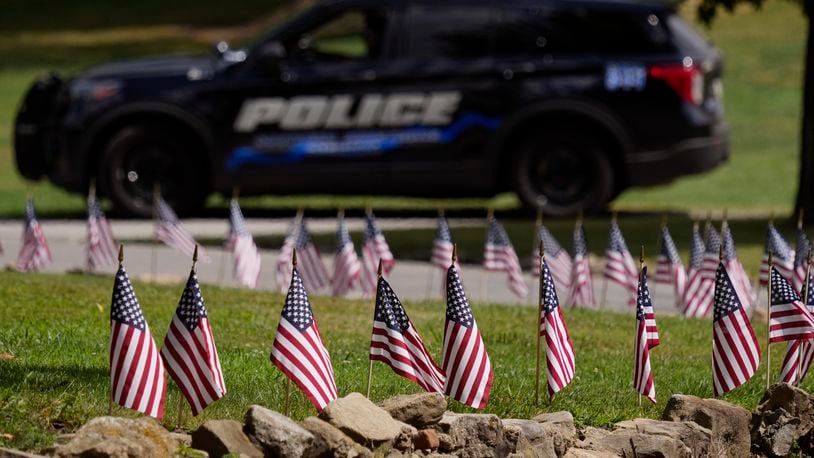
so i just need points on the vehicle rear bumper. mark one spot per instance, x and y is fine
(691, 156)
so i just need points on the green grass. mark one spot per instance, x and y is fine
(763, 53)
(57, 329)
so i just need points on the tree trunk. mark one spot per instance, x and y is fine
(805, 192)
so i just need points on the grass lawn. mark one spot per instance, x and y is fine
(763, 52)
(54, 334)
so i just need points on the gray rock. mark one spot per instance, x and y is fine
(181, 439)
(728, 423)
(530, 429)
(472, 435)
(331, 442)
(363, 421)
(420, 410)
(559, 428)
(631, 443)
(575, 452)
(10, 453)
(221, 437)
(119, 437)
(275, 434)
(695, 437)
(784, 417)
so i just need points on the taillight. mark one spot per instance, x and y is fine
(686, 80)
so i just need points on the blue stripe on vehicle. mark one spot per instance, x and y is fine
(361, 143)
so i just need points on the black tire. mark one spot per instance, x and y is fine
(138, 156)
(564, 171)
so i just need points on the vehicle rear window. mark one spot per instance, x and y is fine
(448, 31)
(525, 31)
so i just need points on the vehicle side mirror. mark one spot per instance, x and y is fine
(272, 53)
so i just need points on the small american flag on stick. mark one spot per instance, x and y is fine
(241, 243)
(34, 253)
(647, 337)
(781, 252)
(298, 350)
(189, 350)
(582, 282)
(669, 268)
(314, 273)
(737, 273)
(395, 341)
(136, 371)
(347, 267)
(559, 261)
(101, 245)
(499, 256)
(466, 363)
(699, 287)
(735, 349)
(560, 362)
(374, 249)
(619, 265)
(799, 353)
(801, 248)
(789, 318)
(168, 228)
(442, 244)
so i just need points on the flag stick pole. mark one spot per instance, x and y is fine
(536, 237)
(538, 326)
(768, 325)
(641, 271)
(490, 215)
(379, 273)
(110, 398)
(180, 393)
(153, 254)
(91, 192)
(286, 409)
(803, 343)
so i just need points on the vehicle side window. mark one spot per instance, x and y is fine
(535, 31)
(448, 32)
(351, 34)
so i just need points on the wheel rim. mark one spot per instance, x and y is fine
(141, 168)
(562, 177)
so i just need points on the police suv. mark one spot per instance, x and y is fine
(565, 102)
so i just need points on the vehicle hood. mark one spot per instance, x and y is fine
(151, 67)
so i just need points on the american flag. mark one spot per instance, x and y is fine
(466, 363)
(168, 228)
(795, 365)
(782, 254)
(34, 254)
(736, 271)
(582, 283)
(712, 247)
(619, 265)
(101, 245)
(789, 318)
(735, 349)
(647, 337)
(560, 363)
(499, 256)
(801, 257)
(374, 248)
(706, 295)
(697, 295)
(247, 258)
(442, 244)
(189, 351)
(136, 371)
(298, 350)
(314, 273)
(559, 261)
(347, 267)
(669, 268)
(395, 342)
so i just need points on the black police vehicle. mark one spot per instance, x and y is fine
(566, 102)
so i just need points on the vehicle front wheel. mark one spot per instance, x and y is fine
(563, 171)
(137, 157)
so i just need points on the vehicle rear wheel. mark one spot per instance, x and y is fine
(563, 171)
(139, 156)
